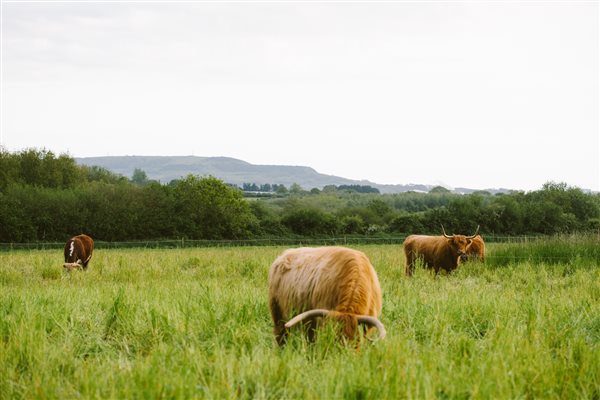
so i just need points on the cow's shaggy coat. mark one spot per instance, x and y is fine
(476, 250)
(334, 282)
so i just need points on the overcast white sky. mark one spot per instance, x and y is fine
(470, 94)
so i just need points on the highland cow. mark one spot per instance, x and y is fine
(334, 283)
(437, 252)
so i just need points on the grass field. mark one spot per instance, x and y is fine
(194, 323)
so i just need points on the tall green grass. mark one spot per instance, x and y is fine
(194, 323)
(583, 250)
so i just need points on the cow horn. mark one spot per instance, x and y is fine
(444, 232)
(307, 314)
(372, 321)
(476, 232)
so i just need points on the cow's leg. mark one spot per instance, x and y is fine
(410, 263)
(85, 263)
(311, 329)
(279, 329)
(408, 269)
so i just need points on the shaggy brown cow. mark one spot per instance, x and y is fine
(437, 252)
(476, 250)
(78, 252)
(332, 282)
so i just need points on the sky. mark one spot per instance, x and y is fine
(489, 94)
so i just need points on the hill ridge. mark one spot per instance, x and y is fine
(235, 171)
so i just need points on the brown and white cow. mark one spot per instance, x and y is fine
(437, 252)
(334, 283)
(78, 252)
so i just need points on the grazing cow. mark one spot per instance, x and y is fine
(336, 283)
(78, 252)
(437, 252)
(476, 250)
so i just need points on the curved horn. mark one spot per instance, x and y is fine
(307, 314)
(444, 232)
(372, 321)
(476, 232)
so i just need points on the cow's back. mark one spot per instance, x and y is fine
(424, 246)
(431, 249)
(333, 278)
(87, 243)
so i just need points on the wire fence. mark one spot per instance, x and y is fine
(322, 241)
(187, 243)
(581, 250)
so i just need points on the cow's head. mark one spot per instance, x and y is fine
(475, 250)
(349, 323)
(459, 244)
(68, 266)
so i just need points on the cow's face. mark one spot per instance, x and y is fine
(459, 244)
(73, 265)
(475, 250)
(348, 324)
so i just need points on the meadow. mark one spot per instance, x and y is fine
(194, 323)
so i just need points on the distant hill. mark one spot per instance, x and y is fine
(231, 170)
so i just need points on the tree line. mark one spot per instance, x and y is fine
(48, 197)
(296, 188)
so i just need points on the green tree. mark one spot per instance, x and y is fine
(156, 209)
(504, 215)
(352, 224)
(439, 189)
(406, 223)
(465, 212)
(15, 224)
(209, 209)
(31, 167)
(296, 189)
(139, 177)
(310, 222)
(99, 174)
(281, 189)
(9, 169)
(269, 221)
(379, 207)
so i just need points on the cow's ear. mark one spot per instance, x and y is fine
(469, 241)
(450, 241)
